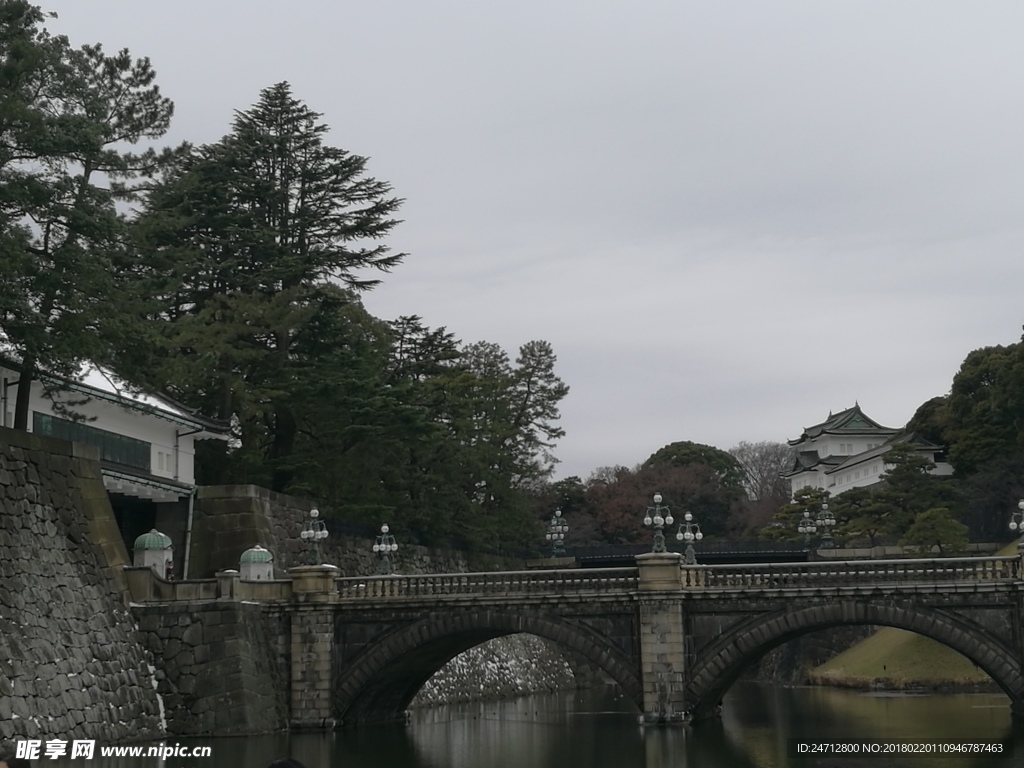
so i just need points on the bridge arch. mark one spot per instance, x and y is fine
(718, 666)
(381, 682)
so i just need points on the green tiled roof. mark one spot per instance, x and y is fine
(851, 421)
(256, 555)
(153, 540)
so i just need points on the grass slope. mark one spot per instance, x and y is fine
(895, 658)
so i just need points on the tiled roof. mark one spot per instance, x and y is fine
(94, 381)
(852, 421)
(808, 460)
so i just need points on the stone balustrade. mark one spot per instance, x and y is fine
(321, 582)
(861, 573)
(556, 582)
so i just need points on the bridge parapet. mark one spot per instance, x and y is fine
(551, 582)
(896, 574)
(145, 586)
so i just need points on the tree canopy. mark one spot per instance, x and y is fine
(981, 421)
(727, 468)
(608, 507)
(936, 529)
(253, 251)
(763, 464)
(785, 524)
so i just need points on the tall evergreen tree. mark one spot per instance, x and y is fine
(499, 422)
(247, 243)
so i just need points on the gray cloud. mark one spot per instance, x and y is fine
(728, 218)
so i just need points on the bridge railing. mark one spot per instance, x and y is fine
(853, 572)
(558, 582)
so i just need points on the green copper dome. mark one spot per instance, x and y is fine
(153, 540)
(256, 555)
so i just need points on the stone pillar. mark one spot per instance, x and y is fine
(227, 584)
(662, 641)
(315, 583)
(312, 646)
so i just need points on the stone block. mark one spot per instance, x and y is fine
(202, 654)
(171, 649)
(193, 635)
(187, 683)
(207, 722)
(154, 644)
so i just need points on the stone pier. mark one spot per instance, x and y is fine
(662, 642)
(312, 646)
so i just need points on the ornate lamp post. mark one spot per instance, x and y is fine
(658, 517)
(384, 547)
(313, 532)
(556, 534)
(826, 520)
(807, 527)
(689, 531)
(1017, 520)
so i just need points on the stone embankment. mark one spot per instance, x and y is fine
(71, 661)
(74, 662)
(516, 665)
(219, 670)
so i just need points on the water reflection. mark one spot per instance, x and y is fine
(559, 729)
(598, 729)
(761, 720)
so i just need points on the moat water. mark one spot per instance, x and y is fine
(598, 729)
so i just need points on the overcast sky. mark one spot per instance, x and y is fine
(728, 218)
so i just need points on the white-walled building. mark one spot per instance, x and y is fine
(146, 441)
(847, 450)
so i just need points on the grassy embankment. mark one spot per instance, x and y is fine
(896, 659)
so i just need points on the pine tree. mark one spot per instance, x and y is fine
(253, 246)
(786, 521)
(936, 528)
(65, 116)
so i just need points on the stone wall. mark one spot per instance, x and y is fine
(75, 663)
(789, 664)
(503, 668)
(220, 666)
(71, 661)
(228, 519)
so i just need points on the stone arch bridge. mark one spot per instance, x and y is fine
(674, 637)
